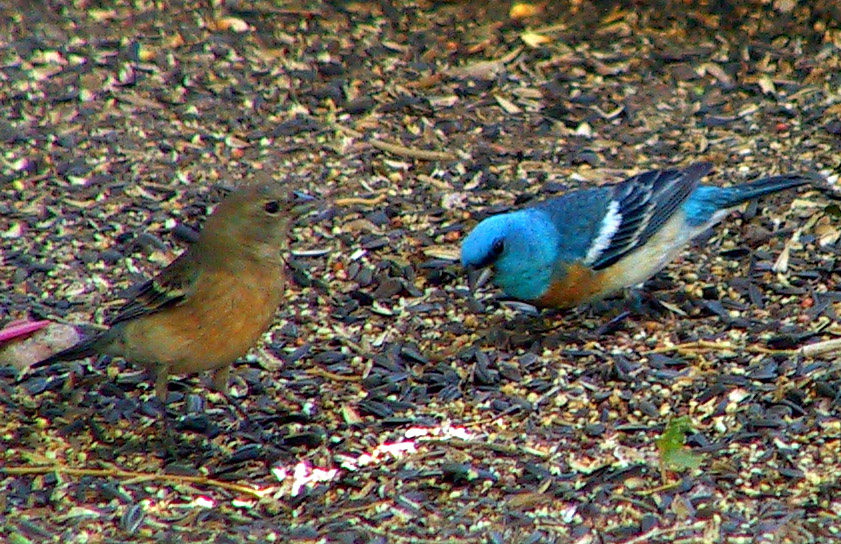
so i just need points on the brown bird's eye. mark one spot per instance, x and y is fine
(271, 207)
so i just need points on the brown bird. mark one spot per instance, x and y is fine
(211, 304)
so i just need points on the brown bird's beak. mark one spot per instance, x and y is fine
(477, 277)
(303, 204)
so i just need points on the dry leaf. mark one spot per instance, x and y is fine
(507, 105)
(229, 23)
(766, 84)
(521, 11)
(533, 39)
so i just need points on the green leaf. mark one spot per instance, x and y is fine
(673, 454)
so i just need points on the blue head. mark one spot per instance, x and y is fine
(522, 248)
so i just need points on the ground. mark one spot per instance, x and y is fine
(388, 404)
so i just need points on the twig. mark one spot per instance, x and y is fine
(811, 350)
(316, 371)
(636, 502)
(651, 491)
(399, 150)
(703, 345)
(129, 474)
(350, 201)
(498, 448)
(820, 348)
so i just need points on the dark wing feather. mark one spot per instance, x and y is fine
(171, 287)
(642, 205)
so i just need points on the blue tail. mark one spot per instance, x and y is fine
(728, 197)
(706, 200)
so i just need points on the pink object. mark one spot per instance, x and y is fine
(19, 328)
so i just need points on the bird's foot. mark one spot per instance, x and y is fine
(613, 324)
(245, 422)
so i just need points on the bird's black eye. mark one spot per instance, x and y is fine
(271, 207)
(498, 247)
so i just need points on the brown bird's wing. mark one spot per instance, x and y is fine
(171, 287)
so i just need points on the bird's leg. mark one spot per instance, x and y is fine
(538, 322)
(613, 324)
(632, 304)
(161, 373)
(637, 302)
(161, 385)
(219, 382)
(220, 379)
(168, 437)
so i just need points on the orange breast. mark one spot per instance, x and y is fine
(219, 323)
(579, 284)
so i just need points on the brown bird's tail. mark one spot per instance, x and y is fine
(83, 349)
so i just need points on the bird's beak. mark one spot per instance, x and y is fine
(477, 277)
(304, 204)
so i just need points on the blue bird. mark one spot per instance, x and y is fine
(589, 243)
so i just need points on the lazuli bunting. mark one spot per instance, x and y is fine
(212, 303)
(589, 243)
